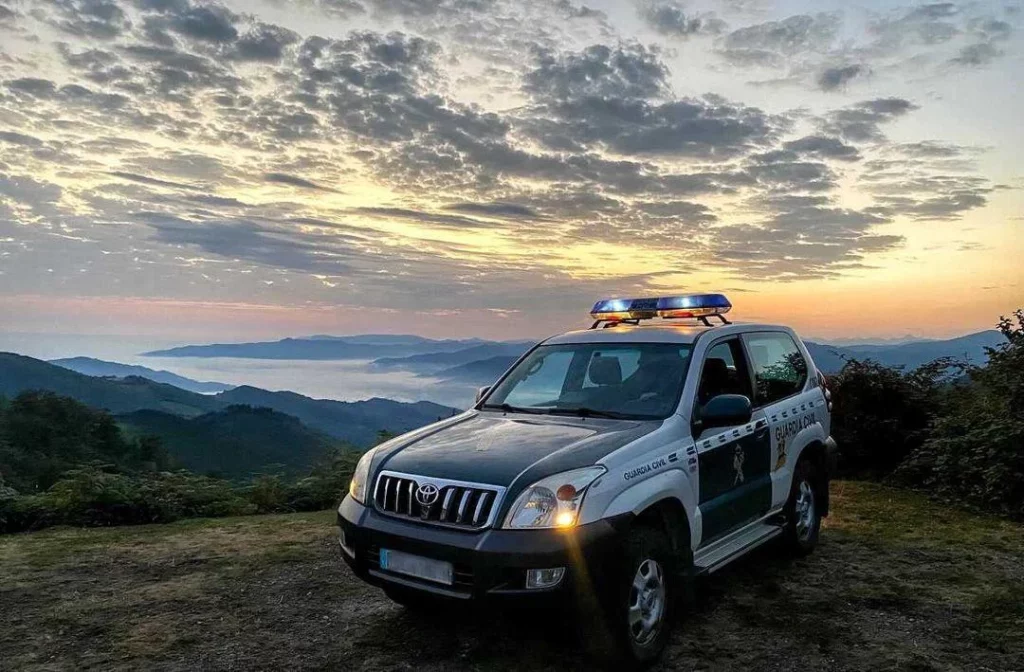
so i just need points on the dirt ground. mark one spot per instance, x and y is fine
(898, 583)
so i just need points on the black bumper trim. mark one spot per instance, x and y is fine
(488, 563)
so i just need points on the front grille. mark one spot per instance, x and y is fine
(456, 504)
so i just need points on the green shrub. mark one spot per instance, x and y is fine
(974, 452)
(882, 414)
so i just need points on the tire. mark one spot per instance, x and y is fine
(803, 510)
(637, 605)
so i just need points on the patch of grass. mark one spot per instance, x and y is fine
(899, 582)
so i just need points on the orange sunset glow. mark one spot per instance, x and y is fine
(208, 170)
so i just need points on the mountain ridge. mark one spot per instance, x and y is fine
(91, 366)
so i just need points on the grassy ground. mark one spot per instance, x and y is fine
(898, 583)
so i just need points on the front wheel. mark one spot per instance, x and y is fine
(638, 604)
(803, 512)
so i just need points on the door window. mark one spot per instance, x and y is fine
(780, 370)
(724, 372)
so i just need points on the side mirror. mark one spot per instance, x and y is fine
(725, 410)
(481, 393)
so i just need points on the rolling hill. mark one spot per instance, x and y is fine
(355, 422)
(830, 358)
(482, 372)
(117, 395)
(435, 361)
(236, 442)
(99, 367)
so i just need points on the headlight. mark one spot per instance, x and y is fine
(554, 501)
(357, 486)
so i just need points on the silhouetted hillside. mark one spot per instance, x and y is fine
(357, 422)
(483, 372)
(99, 367)
(830, 358)
(236, 442)
(124, 395)
(435, 361)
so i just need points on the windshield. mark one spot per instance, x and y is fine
(621, 380)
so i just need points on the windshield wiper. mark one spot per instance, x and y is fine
(512, 409)
(585, 412)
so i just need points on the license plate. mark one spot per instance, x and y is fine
(437, 571)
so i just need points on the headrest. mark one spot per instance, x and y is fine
(715, 368)
(605, 370)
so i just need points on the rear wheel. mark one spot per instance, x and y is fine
(803, 511)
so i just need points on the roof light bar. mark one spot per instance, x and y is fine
(682, 306)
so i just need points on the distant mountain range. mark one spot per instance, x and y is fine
(354, 422)
(99, 367)
(481, 372)
(477, 362)
(322, 348)
(971, 348)
(436, 361)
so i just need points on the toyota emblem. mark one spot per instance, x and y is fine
(427, 494)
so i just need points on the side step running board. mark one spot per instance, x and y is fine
(722, 552)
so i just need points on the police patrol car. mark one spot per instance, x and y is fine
(609, 465)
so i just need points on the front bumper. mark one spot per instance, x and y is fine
(488, 564)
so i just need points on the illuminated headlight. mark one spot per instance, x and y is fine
(552, 502)
(357, 486)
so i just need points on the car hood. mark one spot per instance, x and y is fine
(496, 448)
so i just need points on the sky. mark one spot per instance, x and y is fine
(204, 171)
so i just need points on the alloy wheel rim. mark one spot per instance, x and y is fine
(646, 602)
(804, 511)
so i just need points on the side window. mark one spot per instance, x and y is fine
(779, 368)
(724, 372)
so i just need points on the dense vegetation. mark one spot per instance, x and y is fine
(953, 429)
(63, 463)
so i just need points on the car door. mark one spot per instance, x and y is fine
(780, 393)
(734, 462)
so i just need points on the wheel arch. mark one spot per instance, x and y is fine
(669, 515)
(817, 454)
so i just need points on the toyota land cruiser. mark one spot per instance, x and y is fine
(608, 466)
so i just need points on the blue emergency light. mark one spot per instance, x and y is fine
(698, 306)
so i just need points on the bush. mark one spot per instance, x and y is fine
(974, 452)
(882, 414)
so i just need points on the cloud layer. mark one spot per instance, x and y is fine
(471, 153)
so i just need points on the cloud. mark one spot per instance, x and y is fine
(20, 139)
(862, 121)
(210, 23)
(295, 181)
(837, 77)
(264, 42)
(496, 209)
(100, 19)
(822, 147)
(771, 42)
(152, 181)
(979, 54)
(628, 71)
(667, 17)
